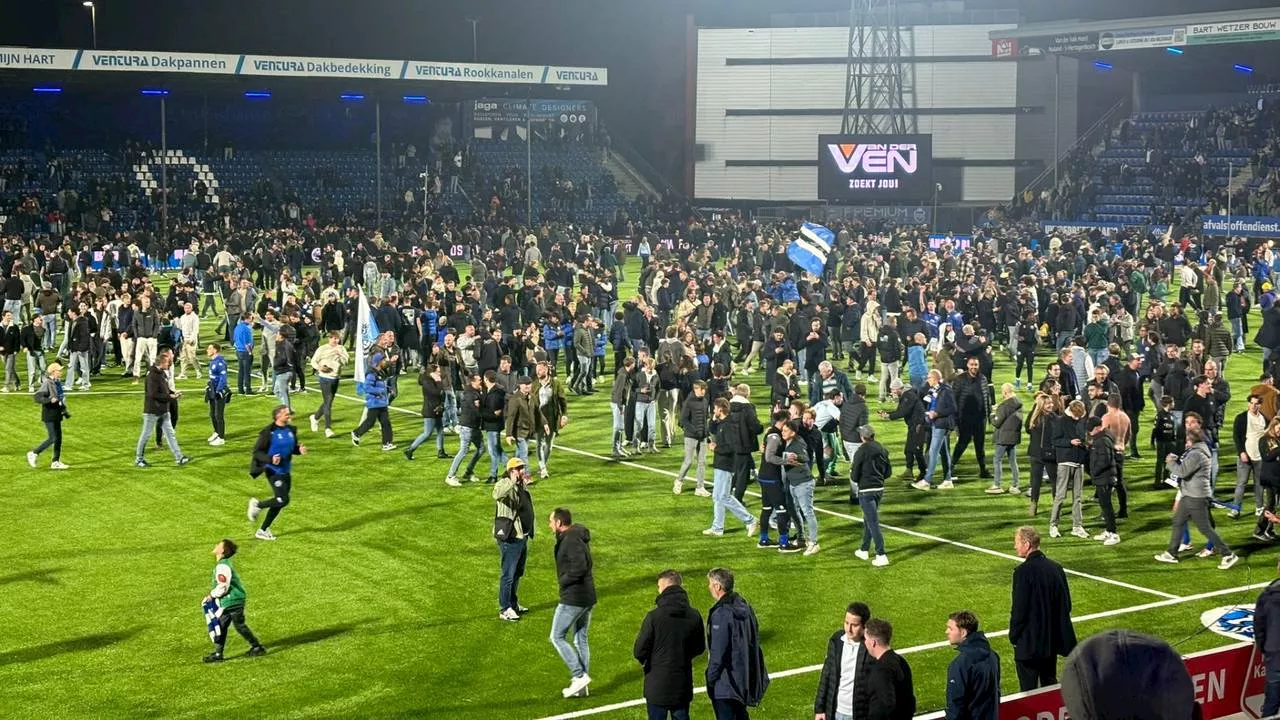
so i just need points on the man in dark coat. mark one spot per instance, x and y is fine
(973, 677)
(1266, 635)
(670, 638)
(736, 677)
(845, 651)
(890, 695)
(577, 598)
(1040, 625)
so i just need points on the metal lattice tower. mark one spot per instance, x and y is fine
(876, 80)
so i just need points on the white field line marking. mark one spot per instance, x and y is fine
(934, 646)
(913, 533)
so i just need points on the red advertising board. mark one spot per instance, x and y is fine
(1004, 48)
(1227, 681)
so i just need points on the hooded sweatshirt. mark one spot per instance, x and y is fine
(1193, 468)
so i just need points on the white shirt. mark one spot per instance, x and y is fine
(848, 670)
(1256, 427)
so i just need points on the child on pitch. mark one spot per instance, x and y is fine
(224, 605)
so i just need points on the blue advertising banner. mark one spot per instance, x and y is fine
(1241, 226)
(1070, 228)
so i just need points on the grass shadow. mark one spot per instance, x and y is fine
(366, 519)
(87, 643)
(46, 576)
(317, 635)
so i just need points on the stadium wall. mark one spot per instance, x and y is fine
(763, 95)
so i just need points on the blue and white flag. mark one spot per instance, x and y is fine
(366, 335)
(810, 250)
(212, 613)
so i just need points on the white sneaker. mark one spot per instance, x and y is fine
(862, 554)
(253, 509)
(1112, 539)
(1080, 532)
(1165, 557)
(452, 481)
(183, 376)
(1054, 532)
(31, 459)
(197, 374)
(922, 485)
(1185, 547)
(315, 424)
(264, 535)
(677, 487)
(217, 441)
(211, 438)
(753, 529)
(1228, 561)
(328, 432)
(946, 485)
(1205, 553)
(510, 615)
(58, 465)
(880, 561)
(994, 491)
(388, 447)
(811, 548)
(1014, 491)
(1102, 535)
(713, 532)
(702, 492)
(579, 684)
(542, 473)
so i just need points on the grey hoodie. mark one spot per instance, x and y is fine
(1119, 673)
(1193, 468)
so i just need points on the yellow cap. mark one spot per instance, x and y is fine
(514, 463)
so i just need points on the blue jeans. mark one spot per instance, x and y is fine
(450, 409)
(802, 496)
(1099, 355)
(493, 445)
(513, 555)
(619, 418)
(1237, 333)
(870, 504)
(939, 444)
(662, 712)
(430, 426)
(50, 330)
(576, 656)
(1011, 451)
(522, 449)
(149, 423)
(1271, 703)
(280, 386)
(244, 373)
(1063, 339)
(464, 445)
(722, 499)
(646, 415)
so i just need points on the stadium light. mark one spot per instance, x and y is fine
(416, 99)
(351, 97)
(257, 94)
(154, 91)
(47, 90)
(1103, 66)
(1243, 68)
(1173, 50)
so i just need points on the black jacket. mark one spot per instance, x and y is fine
(432, 396)
(853, 415)
(870, 468)
(670, 638)
(890, 695)
(156, 400)
(11, 339)
(1266, 625)
(910, 410)
(1102, 459)
(1066, 429)
(694, 416)
(573, 567)
(973, 681)
(491, 409)
(829, 682)
(1040, 623)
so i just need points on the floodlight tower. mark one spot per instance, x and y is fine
(877, 82)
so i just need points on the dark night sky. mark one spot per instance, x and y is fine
(642, 42)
